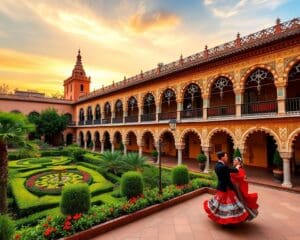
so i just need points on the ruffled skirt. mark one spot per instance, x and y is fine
(225, 208)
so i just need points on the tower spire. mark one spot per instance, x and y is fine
(78, 69)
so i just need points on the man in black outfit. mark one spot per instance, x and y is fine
(223, 172)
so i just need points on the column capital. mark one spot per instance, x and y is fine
(286, 155)
(180, 146)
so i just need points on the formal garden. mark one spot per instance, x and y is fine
(56, 192)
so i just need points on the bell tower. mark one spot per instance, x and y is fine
(78, 84)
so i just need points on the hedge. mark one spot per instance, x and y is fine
(131, 184)
(107, 198)
(180, 175)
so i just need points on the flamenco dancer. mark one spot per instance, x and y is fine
(225, 207)
(241, 187)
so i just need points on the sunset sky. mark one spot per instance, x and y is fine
(39, 39)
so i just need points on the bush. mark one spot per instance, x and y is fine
(75, 152)
(7, 228)
(75, 199)
(131, 184)
(154, 153)
(180, 175)
(237, 153)
(201, 158)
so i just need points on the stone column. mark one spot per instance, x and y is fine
(94, 145)
(140, 112)
(205, 106)
(157, 112)
(112, 147)
(206, 150)
(179, 108)
(281, 97)
(113, 114)
(286, 169)
(140, 150)
(102, 146)
(238, 104)
(125, 114)
(125, 149)
(179, 148)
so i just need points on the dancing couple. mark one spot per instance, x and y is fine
(232, 203)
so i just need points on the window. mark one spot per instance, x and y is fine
(81, 87)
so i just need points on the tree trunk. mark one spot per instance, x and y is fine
(3, 177)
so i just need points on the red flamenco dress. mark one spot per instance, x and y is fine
(225, 208)
(241, 184)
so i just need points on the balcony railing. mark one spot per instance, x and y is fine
(167, 115)
(71, 123)
(260, 107)
(97, 121)
(88, 122)
(132, 118)
(225, 110)
(148, 117)
(292, 105)
(81, 123)
(195, 113)
(106, 120)
(118, 120)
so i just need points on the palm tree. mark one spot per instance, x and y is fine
(14, 128)
(134, 162)
(112, 162)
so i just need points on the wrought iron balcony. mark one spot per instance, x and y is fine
(225, 110)
(97, 121)
(191, 113)
(148, 117)
(167, 115)
(134, 118)
(118, 120)
(71, 123)
(292, 105)
(106, 120)
(81, 123)
(89, 122)
(260, 107)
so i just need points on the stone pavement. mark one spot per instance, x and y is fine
(278, 219)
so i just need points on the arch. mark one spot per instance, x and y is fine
(163, 131)
(148, 141)
(212, 81)
(222, 129)
(81, 139)
(131, 141)
(147, 93)
(106, 140)
(148, 107)
(69, 139)
(69, 117)
(168, 147)
(186, 85)
(187, 130)
(81, 115)
(262, 129)
(192, 101)
(168, 105)
(147, 131)
(89, 113)
(89, 139)
(291, 139)
(107, 113)
(160, 96)
(293, 88)
(97, 140)
(97, 113)
(252, 69)
(289, 67)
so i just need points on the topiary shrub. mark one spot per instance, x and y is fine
(7, 228)
(237, 153)
(75, 152)
(131, 184)
(75, 199)
(180, 175)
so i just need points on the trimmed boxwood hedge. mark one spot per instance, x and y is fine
(75, 199)
(131, 184)
(180, 175)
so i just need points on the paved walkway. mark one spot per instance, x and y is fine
(279, 219)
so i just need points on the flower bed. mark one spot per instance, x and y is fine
(47, 183)
(151, 201)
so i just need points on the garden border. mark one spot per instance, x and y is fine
(120, 221)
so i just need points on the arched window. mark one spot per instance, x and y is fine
(118, 112)
(97, 114)
(149, 108)
(81, 116)
(192, 102)
(107, 113)
(132, 110)
(168, 105)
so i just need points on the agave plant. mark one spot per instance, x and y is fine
(134, 162)
(112, 162)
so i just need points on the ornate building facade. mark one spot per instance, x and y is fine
(243, 94)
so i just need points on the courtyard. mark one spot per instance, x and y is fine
(278, 219)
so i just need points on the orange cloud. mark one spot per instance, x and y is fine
(145, 21)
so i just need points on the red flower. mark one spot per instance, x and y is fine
(77, 216)
(48, 231)
(17, 236)
(67, 225)
(133, 200)
(49, 218)
(69, 217)
(45, 225)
